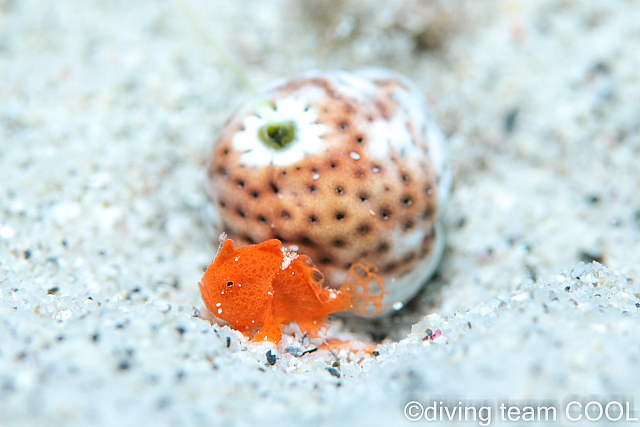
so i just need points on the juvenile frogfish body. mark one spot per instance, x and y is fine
(347, 166)
(267, 287)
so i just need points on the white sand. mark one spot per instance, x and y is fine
(107, 114)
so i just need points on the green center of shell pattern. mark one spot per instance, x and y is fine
(277, 136)
(342, 167)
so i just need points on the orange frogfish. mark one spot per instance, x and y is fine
(265, 286)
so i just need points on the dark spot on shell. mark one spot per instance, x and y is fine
(363, 197)
(274, 187)
(385, 214)
(339, 243)
(383, 247)
(339, 190)
(249, 239)
(241, 213)
(312, 189)
(255, 194)
(262, 218)
(222, 204)
(344, 126)
(359, 139)
(240, 183)
(405, 178)
(360, 174)
(333, 165)
(364, 228)
(325, 260)
(406, 200)
(223, 172)
(313, 219)
(306, 241)
(225, 152)
(389, 267)
(428, 213)
(408, 225)
(340, 215)
(409, 256)
(284, 173)
(285, 214)
(347, 265)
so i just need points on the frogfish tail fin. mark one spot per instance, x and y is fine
(365, 289)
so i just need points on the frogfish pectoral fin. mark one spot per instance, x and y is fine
(270, 331)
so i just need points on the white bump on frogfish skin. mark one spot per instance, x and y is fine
(287, 258)
(306, 128)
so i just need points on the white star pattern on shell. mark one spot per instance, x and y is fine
(307, 139)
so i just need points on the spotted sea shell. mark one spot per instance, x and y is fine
(340, 166)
